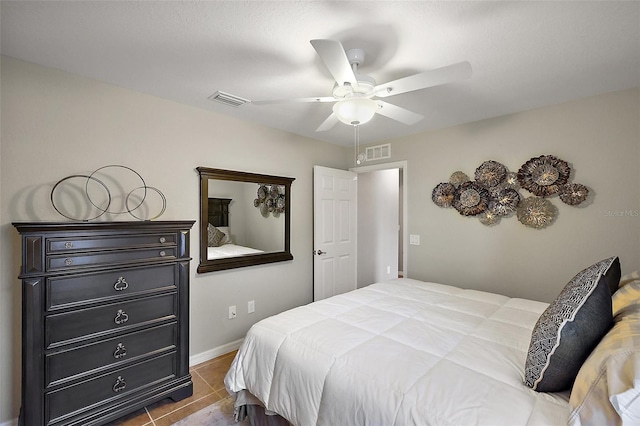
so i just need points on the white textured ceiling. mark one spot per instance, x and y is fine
(524, 54)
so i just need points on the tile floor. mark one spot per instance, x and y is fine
(208, 388)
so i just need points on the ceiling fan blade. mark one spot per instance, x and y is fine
(436, 77)
(295, 100)
(327, 124)
(335, 59)
(398, 113)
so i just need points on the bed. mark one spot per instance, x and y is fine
(229, 250)
(220, 243)
(400, 352)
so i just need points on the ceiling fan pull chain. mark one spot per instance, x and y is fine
(356, 130)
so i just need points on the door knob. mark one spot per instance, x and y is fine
(319, 252)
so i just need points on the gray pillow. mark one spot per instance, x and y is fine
(572, 325)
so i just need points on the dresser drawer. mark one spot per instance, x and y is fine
(70, 244)
(79, 260)
(67, 365)
(93, 322)
(104, 389)
(69, 290)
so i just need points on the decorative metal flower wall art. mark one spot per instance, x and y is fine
(270, 200)
(442, 194)
(573, 193)
(470, 199)
(504, 202)
(490, 174)
(494, 194)
(544, 176)
(458, 177)
(536, 212)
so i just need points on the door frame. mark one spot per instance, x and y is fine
(402, 165)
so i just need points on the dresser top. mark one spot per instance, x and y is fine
(23, 227)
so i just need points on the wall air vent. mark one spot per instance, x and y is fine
(378, 152)
(228, 99)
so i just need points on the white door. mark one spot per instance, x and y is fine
(334, 232)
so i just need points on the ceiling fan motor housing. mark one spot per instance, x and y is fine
(365, 87)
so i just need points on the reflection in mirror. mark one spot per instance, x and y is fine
(244, 219)
(246, 229)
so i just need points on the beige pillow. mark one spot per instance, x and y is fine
(607, 388)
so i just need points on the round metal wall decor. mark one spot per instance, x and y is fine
(536, 212)
(489, 218)
(458, 177)
(573, 193)
(511, 181)
(470, 199)
(271, 200)
(490, 173)
(442, 194)
(544, 176)
(505, 202)
(495, 192)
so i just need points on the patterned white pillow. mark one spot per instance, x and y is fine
(214, 236)
(572, 325)
(607, 388)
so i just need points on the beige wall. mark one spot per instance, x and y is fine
(598, 136)
(55, 124)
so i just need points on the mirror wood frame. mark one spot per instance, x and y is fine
(210, 265)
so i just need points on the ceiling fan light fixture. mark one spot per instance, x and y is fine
(355, 111)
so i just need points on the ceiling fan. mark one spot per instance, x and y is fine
(353, 93)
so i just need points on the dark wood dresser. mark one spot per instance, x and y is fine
(105, 319)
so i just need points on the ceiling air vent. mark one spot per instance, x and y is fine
(228, 99)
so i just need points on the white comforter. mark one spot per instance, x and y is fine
(400, 352)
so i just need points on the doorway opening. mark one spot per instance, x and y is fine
(382, 222)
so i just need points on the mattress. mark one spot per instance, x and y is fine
(229, 250)
(398, 352)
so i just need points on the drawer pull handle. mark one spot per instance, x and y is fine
(162, 253)
(121, 317)
(120, 351)
(121, 284)
(68, 245)
(163, 239)
(68, 261)
(119, 385)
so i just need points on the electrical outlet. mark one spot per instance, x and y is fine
(414, 240)
(251, 306)
(232, 312)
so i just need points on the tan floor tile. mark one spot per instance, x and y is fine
(167, 411)
(181, 413)
(137, 418)
(214, 371)
(231, 355)
(200, 390)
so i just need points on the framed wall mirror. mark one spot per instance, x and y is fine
(244, 219)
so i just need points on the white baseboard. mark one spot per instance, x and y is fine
(211, 354)
(13, 422)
